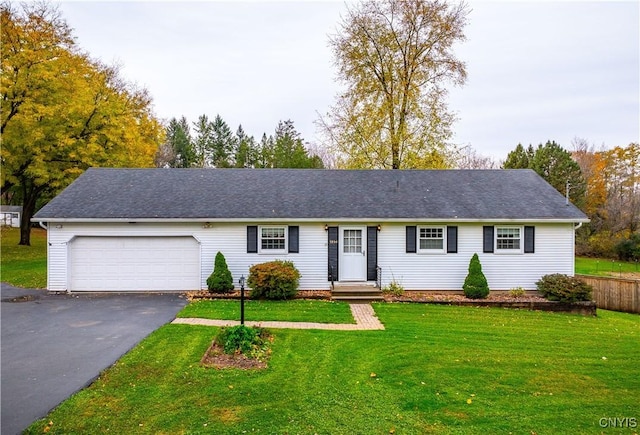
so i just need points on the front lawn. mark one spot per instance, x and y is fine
(24, 266)
(435, 369)
(285, 311)
(605, 267)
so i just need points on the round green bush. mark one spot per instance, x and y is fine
(475, 284)
(564, 288)
(276, 280)
(220, 280)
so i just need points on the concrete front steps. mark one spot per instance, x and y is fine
(356, 292)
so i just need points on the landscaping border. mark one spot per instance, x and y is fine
(533, 303)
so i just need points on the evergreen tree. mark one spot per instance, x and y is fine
(203, 142)
(265, 152)
(220, 280)
(289, 150)
(246, 151)
(223, 144)
(475, 284)
(554, 164)
(519, 158)
(178, 138)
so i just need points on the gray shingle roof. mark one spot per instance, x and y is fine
(289, 194)
(10, 209)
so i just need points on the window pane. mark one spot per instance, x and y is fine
(431, 244)
(272, 238)
(508, 238)
(431, 238)
(352, 241)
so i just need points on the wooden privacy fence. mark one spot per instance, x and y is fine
(614, 293)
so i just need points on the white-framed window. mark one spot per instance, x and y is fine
(352, 241)
(508, 239)
(272, 239)
(431, 239)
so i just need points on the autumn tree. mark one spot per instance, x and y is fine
(395, 59)
(622, 178)
(612, 199)
(62, 112)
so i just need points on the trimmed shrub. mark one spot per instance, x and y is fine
(251, 342)
(274, 280)
(564, 288)
(220, 280)
(475, 284)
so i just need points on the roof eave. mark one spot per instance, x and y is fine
(327, 220)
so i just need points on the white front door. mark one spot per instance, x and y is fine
(353, 255)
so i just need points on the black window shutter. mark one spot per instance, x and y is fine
(411, 239)
(487, 245)
(529, 240)
(294, 232)
(252, 239)
(372, 253)
(332, 243)
(452, 240)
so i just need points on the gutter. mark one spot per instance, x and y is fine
(326, 219)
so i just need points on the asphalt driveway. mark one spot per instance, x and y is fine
(54, 345)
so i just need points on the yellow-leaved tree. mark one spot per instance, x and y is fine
(395, 59)
(62, 112)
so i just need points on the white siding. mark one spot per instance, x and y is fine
(553, 253)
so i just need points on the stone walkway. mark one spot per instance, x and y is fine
(363, 314)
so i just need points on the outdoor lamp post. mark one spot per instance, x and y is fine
(241, 282)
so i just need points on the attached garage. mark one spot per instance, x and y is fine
(134, 264)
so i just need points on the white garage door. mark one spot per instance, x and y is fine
(134, 263)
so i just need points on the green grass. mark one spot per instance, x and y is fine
(435, 369)
(24, 266)
(604, 267)
(287, 311)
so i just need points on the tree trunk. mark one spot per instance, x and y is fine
(29, 198)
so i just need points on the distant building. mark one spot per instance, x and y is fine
(10, 215)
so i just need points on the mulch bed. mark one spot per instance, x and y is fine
(215, 357)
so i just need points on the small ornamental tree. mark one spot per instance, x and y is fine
(475, 284)
(220, 280)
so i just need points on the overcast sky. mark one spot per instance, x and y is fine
(537, 71)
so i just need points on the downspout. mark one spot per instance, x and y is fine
(576, 228)
(41, 223)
